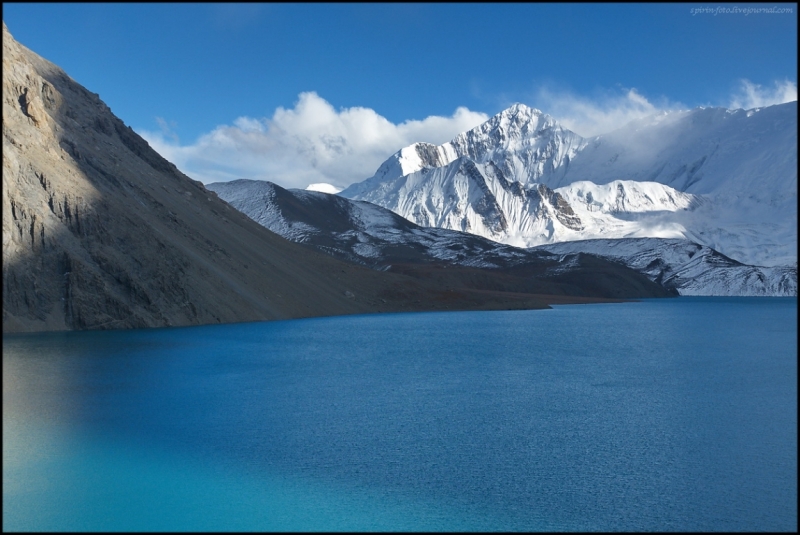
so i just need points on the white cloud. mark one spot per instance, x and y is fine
(314, 143)
(750, 95)
(593, 116)
(590, 116)
(310, 143)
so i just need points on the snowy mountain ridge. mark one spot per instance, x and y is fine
(688, 267)
(368, 234)
(731, 175)
(478, 198)
(523, 142)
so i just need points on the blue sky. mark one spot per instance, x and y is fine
(325, 92)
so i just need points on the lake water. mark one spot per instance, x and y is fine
(676, 414)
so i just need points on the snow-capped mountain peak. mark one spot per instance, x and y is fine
(525, 143)
(724, 178)
(517, 122)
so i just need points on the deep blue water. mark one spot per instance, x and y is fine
(676, 414)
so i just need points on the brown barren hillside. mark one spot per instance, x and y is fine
(101, 232)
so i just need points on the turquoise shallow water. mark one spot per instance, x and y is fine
(676, 414)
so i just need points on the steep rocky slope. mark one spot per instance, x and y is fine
(99, 231)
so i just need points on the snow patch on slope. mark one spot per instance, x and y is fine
(323, 188)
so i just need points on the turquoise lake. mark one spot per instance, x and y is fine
(666, 415)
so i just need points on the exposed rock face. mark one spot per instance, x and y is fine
(99, 231)
(563, 211)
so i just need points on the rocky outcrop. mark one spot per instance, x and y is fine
(562, 210)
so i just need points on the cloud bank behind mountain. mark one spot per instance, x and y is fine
(314, 143)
